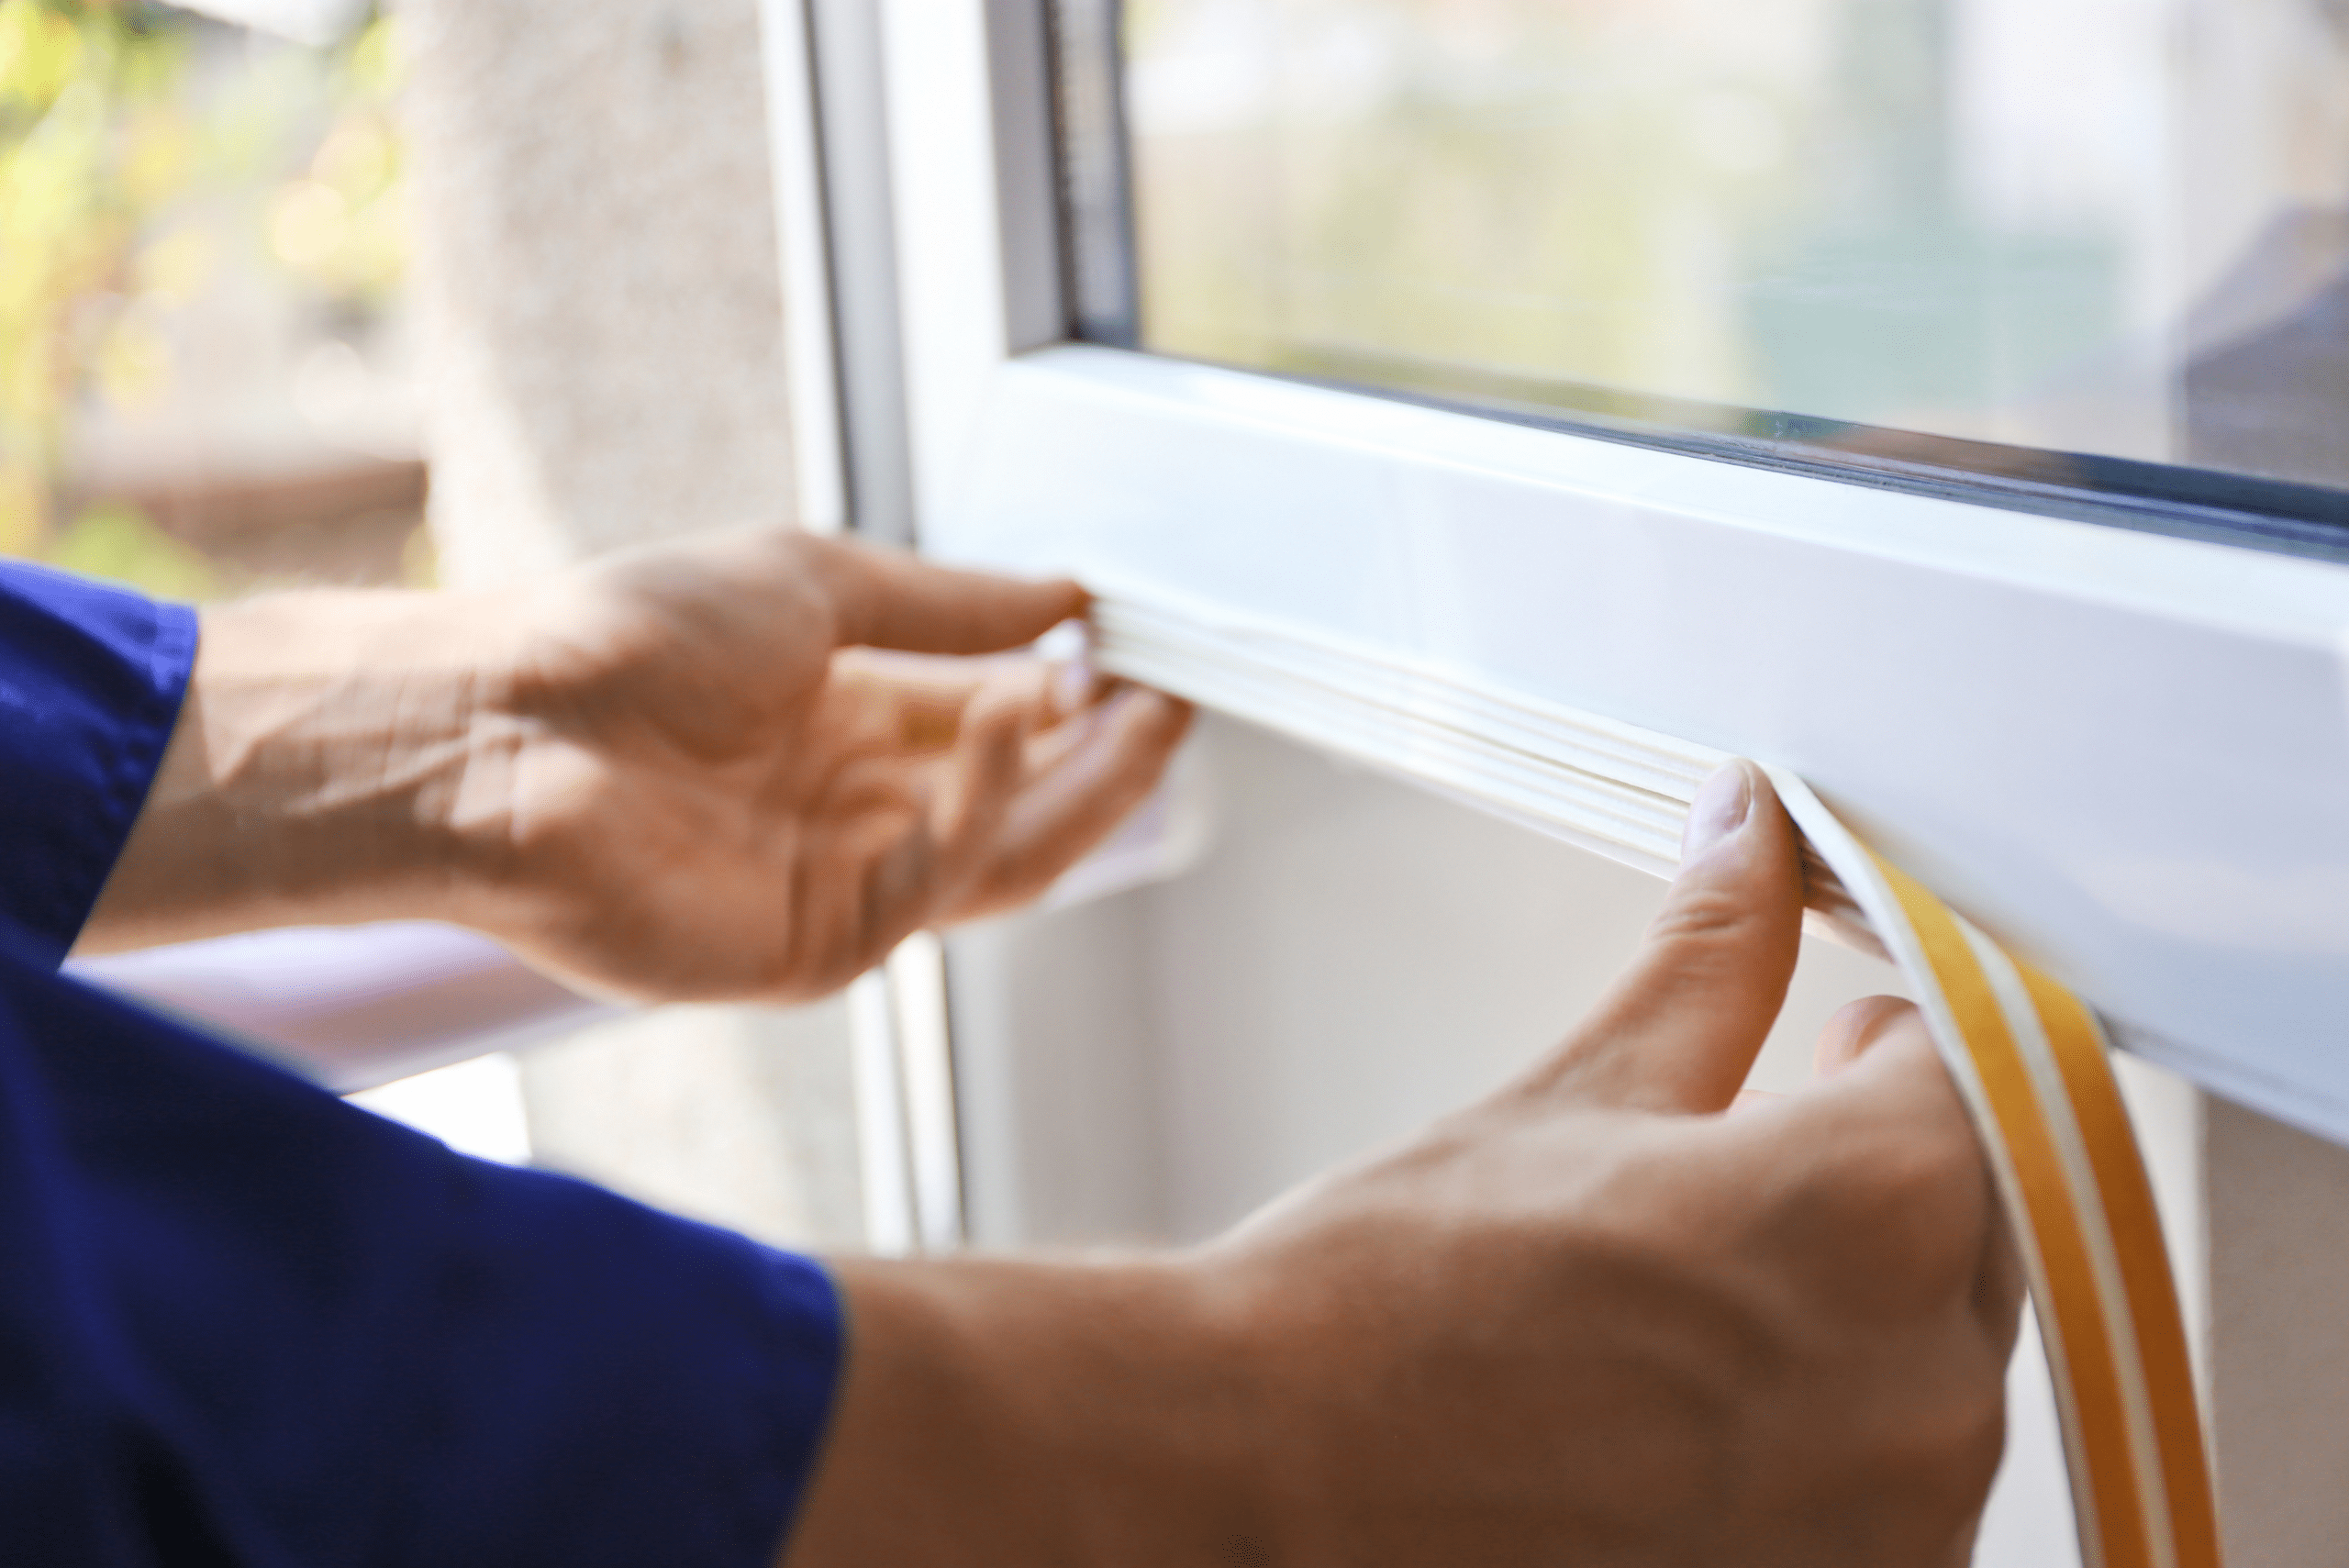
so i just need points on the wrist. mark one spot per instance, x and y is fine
(329, 765)
(1076, 1413)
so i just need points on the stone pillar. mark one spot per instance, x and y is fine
(598, 289)
(596, 261)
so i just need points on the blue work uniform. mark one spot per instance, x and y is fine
(242, 1323)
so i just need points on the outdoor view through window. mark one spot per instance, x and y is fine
(2117, 227)
(205, 362)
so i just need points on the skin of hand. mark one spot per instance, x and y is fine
(740, 767)
(1596, 1318)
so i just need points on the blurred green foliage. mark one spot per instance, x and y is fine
(88, 148)
(338, 224)
(110, 539)
(117, 158)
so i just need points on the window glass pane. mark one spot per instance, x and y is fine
(2116, 228)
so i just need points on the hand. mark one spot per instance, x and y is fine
(688, 772)
(723, 788)
(1594, 1319)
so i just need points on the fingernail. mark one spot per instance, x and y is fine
(1720, 809)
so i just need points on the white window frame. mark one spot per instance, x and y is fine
(2123, 752)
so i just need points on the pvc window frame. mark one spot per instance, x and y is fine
(2124, 752)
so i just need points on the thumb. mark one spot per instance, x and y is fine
(889, 598)
(1680, 1029)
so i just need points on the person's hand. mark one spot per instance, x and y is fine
(1595, 1319)
(724, 788)
(695, 770)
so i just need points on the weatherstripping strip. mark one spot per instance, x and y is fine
(2029, 1060)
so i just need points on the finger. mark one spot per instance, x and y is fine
(913, 703)
(1679, 1029)
(1898, 1160)
(922, 867)
(1056, 738)
(1896, 1082)
(884, 598)
(1754, 1099)
(1855, 1028)
(878, 886)
(1122, 747)
(985, 777)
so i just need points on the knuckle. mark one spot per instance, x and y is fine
(1884, 1225)
(1705, 913)
(1922, 1169)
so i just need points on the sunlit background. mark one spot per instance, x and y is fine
(205, 380)
(2107, 226)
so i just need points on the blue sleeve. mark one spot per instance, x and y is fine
(242, 1323)
(90, 684)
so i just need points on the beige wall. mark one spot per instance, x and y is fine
(601, 317)
(2280, 1339)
